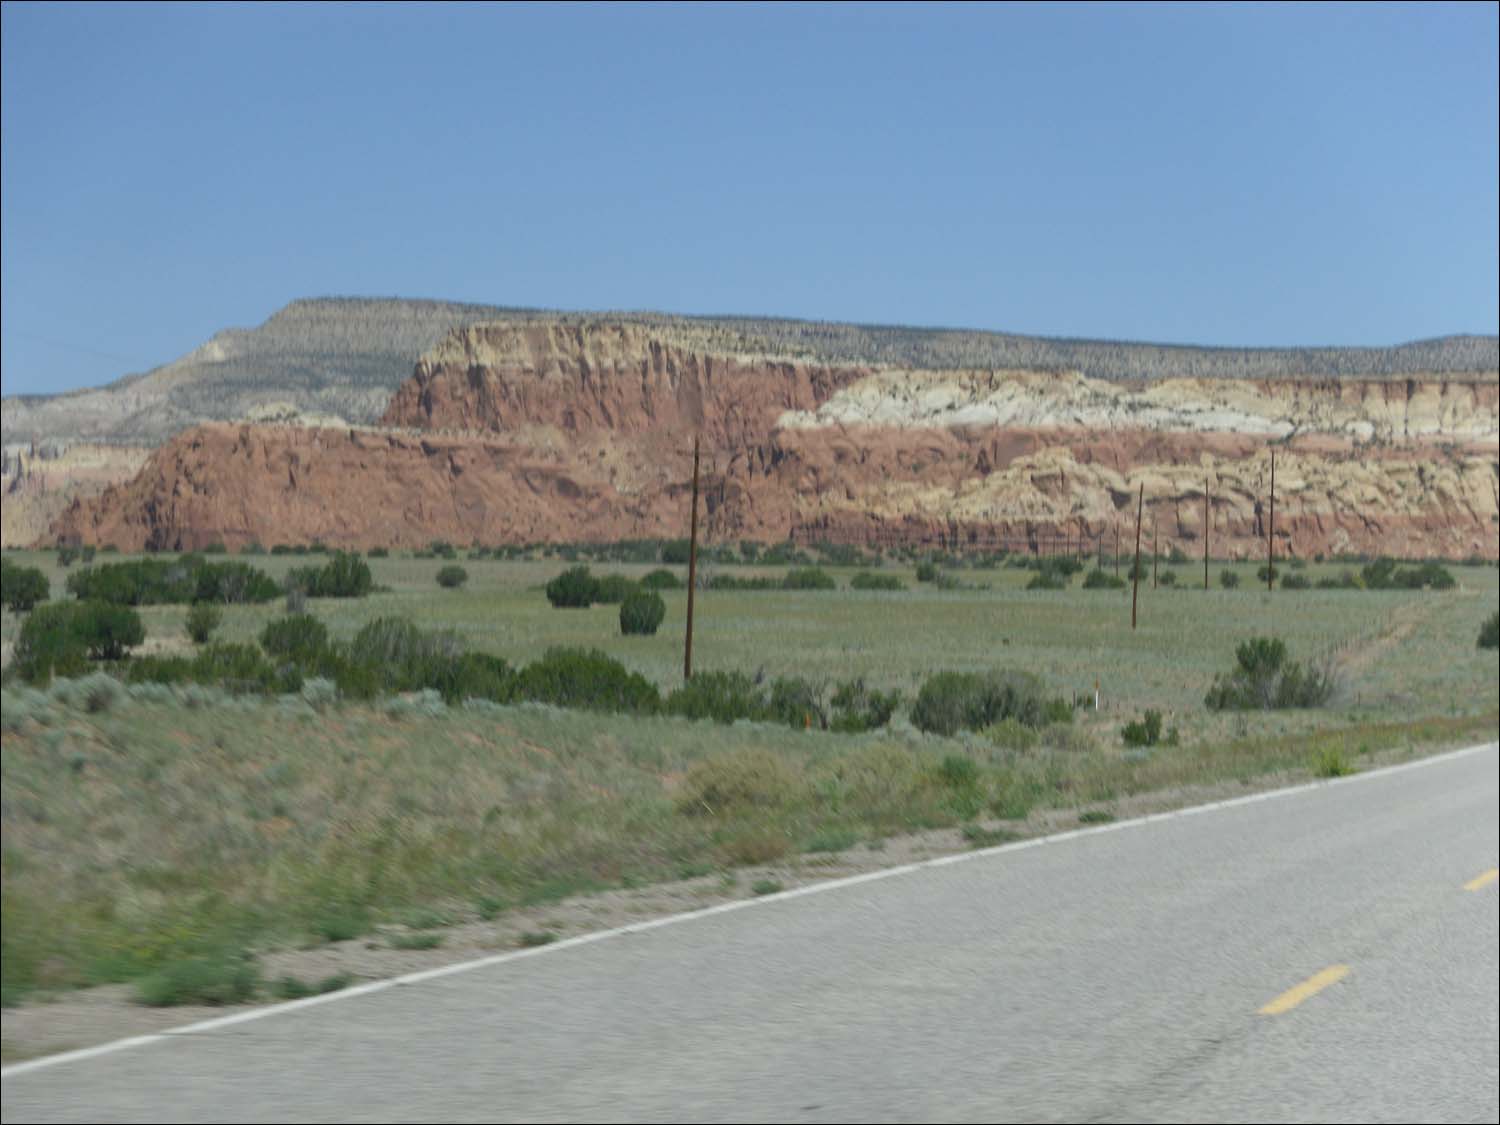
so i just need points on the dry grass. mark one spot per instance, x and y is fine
(175, 827)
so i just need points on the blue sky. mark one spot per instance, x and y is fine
(1221, 175)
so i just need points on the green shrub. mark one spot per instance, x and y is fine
(1167, 578)
(952, 701)
(588, 679)
(1143, 732)
(613, 589)
(452, 577)
(202, 620)
(798, 703)
(660, 580)
(574, 588)
(1489, 632)
(378, 553)
(1057, 710)
(242, 668)
(808, 578)
(214, 979)
(1265, 679)
(1177, 556)
(344, 575)
(1098, 579)
(1228, 579)
(926, 572)
(1296, 581)
(188, 578)
(22, 587)
(864, 580)
(299, 637)
(856, 707)
(721, 696)
(675, 551)
(1048, 580)
(958, 771)
(58, 639)
(641, 612)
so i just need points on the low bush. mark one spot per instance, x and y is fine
(1048, 580)
(721, 696)
(1167, 578)
(808, 578)
(188, 578)
(926, 572)
(1296, 581)
(661, 580)
(213, 979)
(952, 701)
(613, 589)
(452, 577)
(202, 620)
(378, 553)
(1264, 679)
(22, 587)
(299, 637)
(1489, 632)
(58, 639)
(1099, 579)
(641, 613)
(344, 575)
(865, 580)
(1145, 731)
(1228, 579)
(856, 707)
(574, 588)
(587, 679)
(798, 703)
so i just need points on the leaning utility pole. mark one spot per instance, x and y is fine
(1155, 555)
(687, 650)
(1135, 586)
(1271, 529)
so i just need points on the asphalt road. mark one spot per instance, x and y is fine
(1147, 972)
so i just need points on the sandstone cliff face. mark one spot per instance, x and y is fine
(546, 430)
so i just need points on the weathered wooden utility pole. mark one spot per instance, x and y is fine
(1206, 517)
(1155, 555)
(1135, 571)
(1271, 529)
(687, 649)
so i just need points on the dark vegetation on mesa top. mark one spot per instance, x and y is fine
(344, 356)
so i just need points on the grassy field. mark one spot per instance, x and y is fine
(155, 829)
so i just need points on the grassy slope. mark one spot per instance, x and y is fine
(151, 831)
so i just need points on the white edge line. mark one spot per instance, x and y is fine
(17, 1069)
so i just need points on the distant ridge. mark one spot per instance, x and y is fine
(344, 357)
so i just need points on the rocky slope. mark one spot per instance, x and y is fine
(550, 429)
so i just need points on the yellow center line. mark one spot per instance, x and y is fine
(1483, 880)
(1310, 987)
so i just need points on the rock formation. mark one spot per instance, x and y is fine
(557, 430)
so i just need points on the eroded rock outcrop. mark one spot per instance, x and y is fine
(555, 431)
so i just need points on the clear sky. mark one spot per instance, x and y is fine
(1220, 175)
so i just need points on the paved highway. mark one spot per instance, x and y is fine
(1326, 954)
